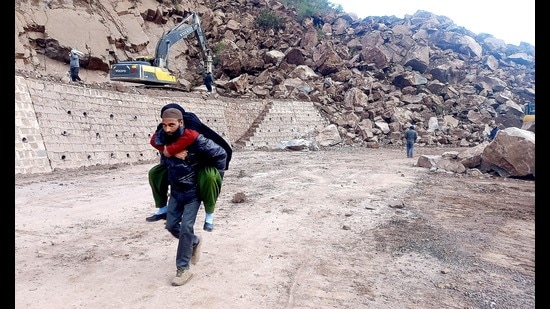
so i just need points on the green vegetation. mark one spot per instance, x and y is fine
(439, 110)
(215, 61)
(218, 47)
(216, 51)
(311, 8)
(320, 35)
(268, 19)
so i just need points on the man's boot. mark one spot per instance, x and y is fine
(182, 276)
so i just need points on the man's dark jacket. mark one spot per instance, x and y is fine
(182, 174)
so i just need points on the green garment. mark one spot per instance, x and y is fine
(158, 180)
(210, 184)
(209, 181)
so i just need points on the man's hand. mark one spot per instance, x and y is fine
(181, 155)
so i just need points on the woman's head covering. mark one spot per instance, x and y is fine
(172, 105)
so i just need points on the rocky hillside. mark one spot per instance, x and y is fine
(372, 77)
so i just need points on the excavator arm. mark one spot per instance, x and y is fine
(182, 31)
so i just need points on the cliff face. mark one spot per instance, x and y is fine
(371, 77)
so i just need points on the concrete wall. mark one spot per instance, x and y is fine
(65, 126)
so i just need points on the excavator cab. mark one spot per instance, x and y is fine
(149, 59)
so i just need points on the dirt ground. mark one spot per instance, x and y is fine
(347, 228)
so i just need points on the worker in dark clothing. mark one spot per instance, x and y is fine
(208, 82)
(410, 137)
(494, 130)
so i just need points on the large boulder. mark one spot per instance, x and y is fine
(511, 153)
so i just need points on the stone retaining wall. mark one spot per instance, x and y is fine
(66, 126)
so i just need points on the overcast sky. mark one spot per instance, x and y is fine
(513, 22)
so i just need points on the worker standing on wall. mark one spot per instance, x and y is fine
(74, 63)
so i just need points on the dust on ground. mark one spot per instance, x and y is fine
(349, 228)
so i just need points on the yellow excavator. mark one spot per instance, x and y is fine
(529, 116)
(149, 70)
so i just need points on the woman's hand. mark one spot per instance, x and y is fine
(181, 155)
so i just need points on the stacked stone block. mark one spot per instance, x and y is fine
(286, 120)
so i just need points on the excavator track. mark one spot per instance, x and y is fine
(163, 87)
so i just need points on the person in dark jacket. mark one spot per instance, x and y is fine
(410, 137)
(185, 198)
(208, 82)
(210, 181)
(493, 132)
